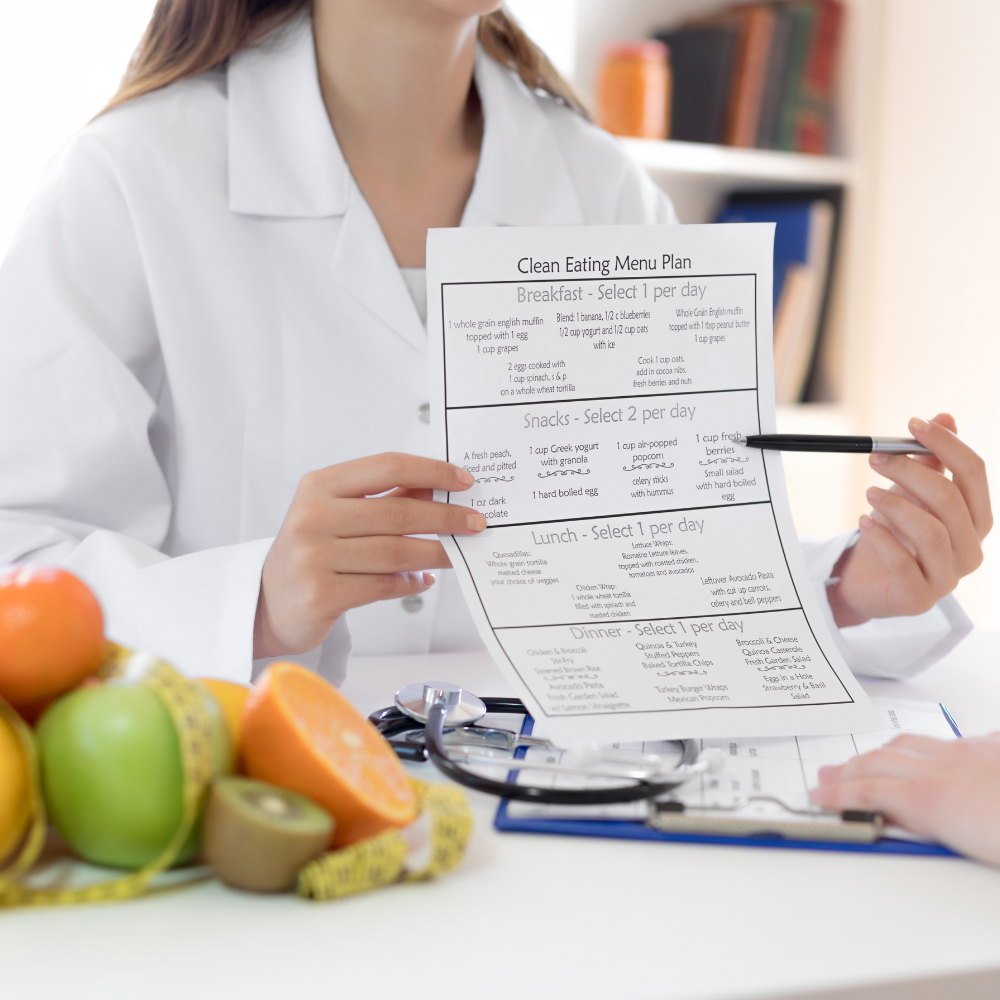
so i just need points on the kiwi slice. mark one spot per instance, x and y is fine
(257, 836)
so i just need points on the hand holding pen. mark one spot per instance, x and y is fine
(924, 533)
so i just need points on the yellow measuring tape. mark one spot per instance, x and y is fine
(381, 860)
(369, 864)
(186, 707)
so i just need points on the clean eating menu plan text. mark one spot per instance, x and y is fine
(640, 576)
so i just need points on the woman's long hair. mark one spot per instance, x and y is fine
(188, 37)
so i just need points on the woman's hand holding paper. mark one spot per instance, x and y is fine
(924, 533)
(340, 546)
(945, 790)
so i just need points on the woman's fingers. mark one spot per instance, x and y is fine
(947, 421)
(371, 587)
(938, 496)
(967, 468)
(387, 554)
(366, 477)
(393, 516)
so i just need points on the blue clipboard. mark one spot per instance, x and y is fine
(618, 829)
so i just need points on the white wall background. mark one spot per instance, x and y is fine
(60, 61)
(935, 324)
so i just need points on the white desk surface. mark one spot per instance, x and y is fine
(540, 916)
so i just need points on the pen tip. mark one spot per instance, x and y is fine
(739, 439)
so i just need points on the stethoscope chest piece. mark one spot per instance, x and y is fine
(462, 708)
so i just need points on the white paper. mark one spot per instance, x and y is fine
(784, 768)
(641, 576)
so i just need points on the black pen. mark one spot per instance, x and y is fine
(836, 443)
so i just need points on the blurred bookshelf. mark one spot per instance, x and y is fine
(734, 166)
(701, 176)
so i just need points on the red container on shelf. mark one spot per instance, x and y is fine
(633, 90)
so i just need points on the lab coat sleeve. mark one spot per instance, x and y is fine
(895, 648)
(82, 389)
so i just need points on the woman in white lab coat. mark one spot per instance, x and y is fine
(213, 315)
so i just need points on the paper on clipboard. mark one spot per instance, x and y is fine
(772, 775)
(640, 577)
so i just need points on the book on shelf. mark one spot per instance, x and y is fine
(759, 74)
(702, 59)
(812, 120)
(756, 23)
(804, 241)
(803, 17)
(771, 95)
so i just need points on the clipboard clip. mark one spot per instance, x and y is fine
(850, 826)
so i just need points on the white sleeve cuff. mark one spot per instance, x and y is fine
(895, 648)
(195, 611)
(328, 660)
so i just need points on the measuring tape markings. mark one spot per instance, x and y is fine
(369, 864)
(381, 860)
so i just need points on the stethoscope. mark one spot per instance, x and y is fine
(435, 716)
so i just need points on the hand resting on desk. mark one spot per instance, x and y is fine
(924, 533)
(946, 790)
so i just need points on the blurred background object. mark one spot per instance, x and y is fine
(633, 92)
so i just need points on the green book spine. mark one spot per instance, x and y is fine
(804, 17)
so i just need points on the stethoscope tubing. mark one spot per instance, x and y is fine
(391, 722)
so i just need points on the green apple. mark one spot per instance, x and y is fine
(111, 773)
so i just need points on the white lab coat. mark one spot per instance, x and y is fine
(200, 307)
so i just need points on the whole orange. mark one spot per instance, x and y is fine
(51, 634)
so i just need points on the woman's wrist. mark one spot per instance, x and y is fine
(844, 613)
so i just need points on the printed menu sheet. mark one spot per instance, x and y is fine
(640, 577)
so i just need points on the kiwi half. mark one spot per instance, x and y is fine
(257, 836)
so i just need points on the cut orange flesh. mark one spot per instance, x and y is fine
(300, 732)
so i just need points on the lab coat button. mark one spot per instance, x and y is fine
(413, 603)
(425, 412)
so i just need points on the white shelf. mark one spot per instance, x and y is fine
(762, 167)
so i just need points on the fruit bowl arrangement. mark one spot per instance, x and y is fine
(277, 787)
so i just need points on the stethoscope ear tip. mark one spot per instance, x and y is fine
(714, 758)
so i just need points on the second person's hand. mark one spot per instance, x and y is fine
(947, 790)
(340, 546)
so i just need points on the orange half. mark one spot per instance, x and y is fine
(300, 732)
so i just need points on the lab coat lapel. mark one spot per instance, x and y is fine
(522, 179)
(284, 161)
(364, 264)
